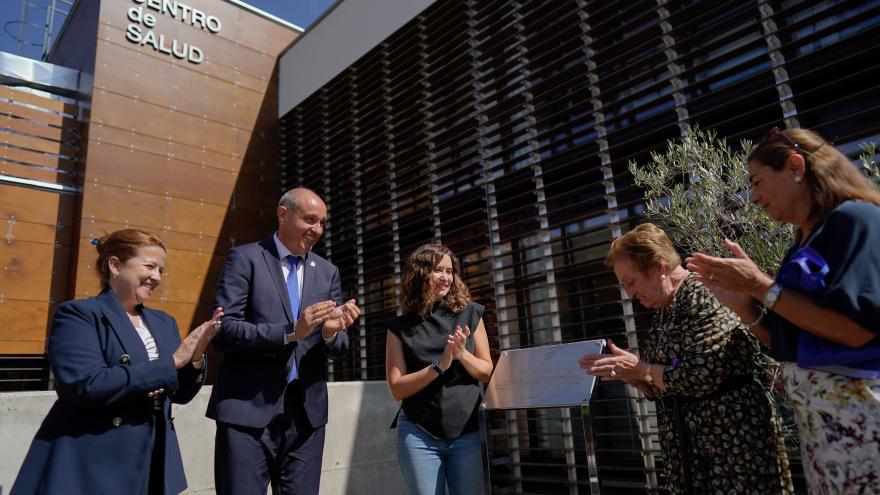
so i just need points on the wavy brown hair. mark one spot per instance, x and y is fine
(416, 291)
(123, 244)
(831, 176)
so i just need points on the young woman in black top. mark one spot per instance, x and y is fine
(436, 355)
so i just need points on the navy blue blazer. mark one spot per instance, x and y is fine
(98, 436)
(252, 376)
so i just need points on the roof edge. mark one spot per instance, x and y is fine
(263, 13)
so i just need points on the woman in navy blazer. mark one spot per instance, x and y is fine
(118, 366)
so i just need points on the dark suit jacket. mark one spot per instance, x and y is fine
(98, 436)
(252, 376)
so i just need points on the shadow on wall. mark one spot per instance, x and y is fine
(359, 454)
(360, 457)
(250, 214)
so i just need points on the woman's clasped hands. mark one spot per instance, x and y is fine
(455, 346)
(619, 365)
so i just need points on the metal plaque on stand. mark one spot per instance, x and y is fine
(543, 377)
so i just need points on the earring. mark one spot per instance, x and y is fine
(797, 178)
(662, 276)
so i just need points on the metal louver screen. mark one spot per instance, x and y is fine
(503, 129)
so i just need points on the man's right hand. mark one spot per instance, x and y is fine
(311, 317)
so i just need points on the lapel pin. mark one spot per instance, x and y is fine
(312, 264)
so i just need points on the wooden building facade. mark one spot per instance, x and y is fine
(174, 131)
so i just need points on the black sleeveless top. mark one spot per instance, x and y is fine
(447, 407)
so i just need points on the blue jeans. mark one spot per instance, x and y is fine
(429, 463)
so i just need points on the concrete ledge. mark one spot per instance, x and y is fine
(359, 455)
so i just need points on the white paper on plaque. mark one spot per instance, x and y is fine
(546, 376)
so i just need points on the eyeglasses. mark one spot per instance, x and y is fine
(775, 133)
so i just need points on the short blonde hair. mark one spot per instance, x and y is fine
(646, 245)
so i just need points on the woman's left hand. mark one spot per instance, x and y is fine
(194, 345)
(210, 331)
(461, 336)
(620, 365)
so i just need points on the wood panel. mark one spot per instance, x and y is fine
(187, 151)
(35, 173)
(181, 88)
(264, 166)
(181, 241)
(28, 269)
(36, 114)
(158, 211)
(114, 165)
(35, 158)
(24, 126)
(165, 123)
(33, 205)
(214, 67)
(251, 42)
(35, 143)
(36, 254)
(24, 321)
(55, 105)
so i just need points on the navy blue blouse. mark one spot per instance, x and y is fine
(849, 241)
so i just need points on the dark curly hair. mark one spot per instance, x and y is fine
(417, 287)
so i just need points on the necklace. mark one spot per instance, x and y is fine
(671, 304)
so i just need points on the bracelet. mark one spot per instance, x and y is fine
(198, 364)
(760, 317)
(649, 375)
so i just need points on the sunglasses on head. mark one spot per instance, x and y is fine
(775, 134)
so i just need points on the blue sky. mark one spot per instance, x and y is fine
(299, 12)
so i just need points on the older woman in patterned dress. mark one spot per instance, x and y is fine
(719, 430)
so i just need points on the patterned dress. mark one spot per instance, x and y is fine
(838, 408)
(719, 430)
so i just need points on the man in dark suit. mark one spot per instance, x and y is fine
(284, 316)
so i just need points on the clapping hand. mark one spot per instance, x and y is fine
(448, 353)
(194, 345)
(459, 340)
(212, 326)
(340, 318)
(734, 281)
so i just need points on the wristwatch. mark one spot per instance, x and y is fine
(772, 296)
(436, 367)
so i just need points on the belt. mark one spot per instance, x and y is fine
(158, 397)
(676, 403)
(728, 385)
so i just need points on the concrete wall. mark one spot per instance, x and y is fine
(359, 455)
(346, 33)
